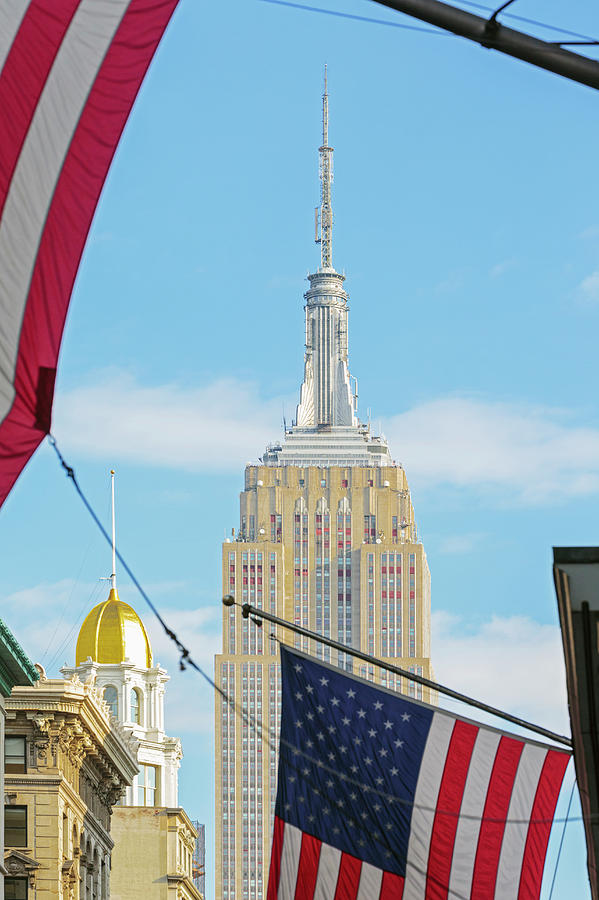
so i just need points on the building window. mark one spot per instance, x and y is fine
(146, 786)
(15, 826)
(15, 889)
(136, 706)
(111, 698)
(14, 754)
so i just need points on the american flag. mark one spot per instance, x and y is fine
(384, 797)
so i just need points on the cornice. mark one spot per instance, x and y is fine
(15, 665)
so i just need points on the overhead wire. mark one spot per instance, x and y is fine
(264, 733)
(402, 25)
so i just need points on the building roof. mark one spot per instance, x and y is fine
(15, 665)
(113, 633)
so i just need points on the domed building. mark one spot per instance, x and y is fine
(114, 651)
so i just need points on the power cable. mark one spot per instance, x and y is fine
(256, 725)
(343, 15)
(561, 843)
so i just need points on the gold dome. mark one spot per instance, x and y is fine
(112, 633)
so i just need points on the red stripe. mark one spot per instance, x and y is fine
(391, 887)
(24, 75)
(497, 803)
(348, 879)
(69, 218)
(275, 859)
(449, 802)
(307, 869)
(537, 839)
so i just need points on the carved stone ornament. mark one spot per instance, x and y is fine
(18, 864)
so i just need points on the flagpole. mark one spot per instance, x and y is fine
(248, 610)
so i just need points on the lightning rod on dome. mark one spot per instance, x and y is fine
(113, 575)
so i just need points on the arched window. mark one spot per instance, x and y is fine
(136, 706)
(111, 698)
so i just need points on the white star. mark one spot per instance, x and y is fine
(357, 740)
(340, 802)
(309, 688)
(368, 760)
(301, 799)
(398, 743)
(306, 771)
(297, 667)
(320, 736)
(353, 796)
(388, 826)
(405, 717)
(354, 770)
(364, 815)
(295, 751)
(288, 806)
(298, 724)
(316, 791)
(372, 733)
(367, 789)
(324, 681)
(377, 807)
(379, 780)
(330, 783)
(378, 705)
(343, 776)
(345, 720)
(320, 709)
(342, 749)
(334, 701)
(326, 811)
(387, 853)
(319, 763)
(361, 713)
(311, 818)
(299, 695)
(351, 823)
(331, 756)
(336, 830)
(309, 744)
(309, 716)
(351, 694)
(376, 835)
(382, 752)
(331, 729)
(292, 778)
(394, 771)
(388, 725)
(362, 842)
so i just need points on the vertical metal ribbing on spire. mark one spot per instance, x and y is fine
(326, 180)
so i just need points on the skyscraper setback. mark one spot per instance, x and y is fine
(327, 539)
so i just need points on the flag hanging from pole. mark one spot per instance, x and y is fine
(382, 798)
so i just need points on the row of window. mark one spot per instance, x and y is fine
(135, 703)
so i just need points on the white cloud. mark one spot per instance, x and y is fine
(521, 453)
(218, 427)
(515, 664)
(589, 288)
(524, 454)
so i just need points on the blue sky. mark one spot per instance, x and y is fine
(466, 221)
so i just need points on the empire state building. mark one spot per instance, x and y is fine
(327, 539)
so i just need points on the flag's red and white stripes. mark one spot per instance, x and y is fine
(480, 827)
(69, 73)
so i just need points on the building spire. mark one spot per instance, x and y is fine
(113, 575)
(326, 180)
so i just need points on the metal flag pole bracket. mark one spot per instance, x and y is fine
(249, 611)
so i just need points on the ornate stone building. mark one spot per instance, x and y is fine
(15, 668)
(69, 765)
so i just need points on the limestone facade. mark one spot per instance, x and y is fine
(59, 795)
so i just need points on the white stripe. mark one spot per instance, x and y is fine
(55, 120)
(328, 872)
(427, 793)
(11, 16)
(290, 856)
(514, 836)
(371, 880)
(473, 804)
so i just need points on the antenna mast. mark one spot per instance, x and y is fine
(326, 180)
(113, 575)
